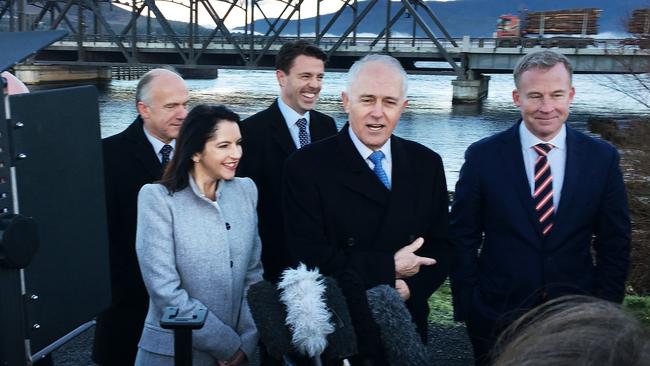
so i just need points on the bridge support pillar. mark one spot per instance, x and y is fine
(37, 74)
(470, 91)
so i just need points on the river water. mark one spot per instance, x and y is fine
(430, 118)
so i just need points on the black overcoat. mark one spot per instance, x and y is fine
(267, 144)
(129, 163)
(340, 218)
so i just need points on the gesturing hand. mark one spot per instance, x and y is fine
(407, 263)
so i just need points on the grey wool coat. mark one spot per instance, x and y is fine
(193, 253)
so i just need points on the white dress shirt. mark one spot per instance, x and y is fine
(157, 145)
(386, 162)
(556, 159)
(290, 118)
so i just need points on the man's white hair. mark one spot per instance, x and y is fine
(353, 73)
(143, 90)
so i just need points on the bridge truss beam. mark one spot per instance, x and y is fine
(190, 42)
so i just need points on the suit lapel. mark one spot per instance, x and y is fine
(142, 149)
(280, 131)
(317, 129)
(513, 160)
(402, 193)
(356, 174)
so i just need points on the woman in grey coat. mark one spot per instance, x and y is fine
(197, 243)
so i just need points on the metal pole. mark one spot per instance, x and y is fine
(387, 26)
(354, 16)
(148, 24)
(22, 19)
(190, 38)
(253, 3)
(80, 33)
(182, 347)
(96, 29)
(13, 333)
(415, 7)
(245, 19)
(299, 18)
(317, 22)
(134, 30)
(12, 21)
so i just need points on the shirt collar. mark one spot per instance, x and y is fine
(365, 151)
(528, 140)
(157, 144)
(291, 116)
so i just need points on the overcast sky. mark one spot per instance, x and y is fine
(272, 9)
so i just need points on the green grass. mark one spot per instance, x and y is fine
(442, 311)
(639, 306)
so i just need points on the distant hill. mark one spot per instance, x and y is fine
(476, 18)
(117, 17)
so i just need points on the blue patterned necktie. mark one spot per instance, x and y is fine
(376, 158)
(165, 152)
(303, 136)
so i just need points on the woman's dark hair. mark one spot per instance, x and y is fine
(199, 127)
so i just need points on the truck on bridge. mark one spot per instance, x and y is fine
(569, 28)
(639, 26)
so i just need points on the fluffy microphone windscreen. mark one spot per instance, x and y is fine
(269, 315)
(399, 336)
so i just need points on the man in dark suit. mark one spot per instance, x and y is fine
(271, 135)
(132, 159)
(361, 204)
(540, 210)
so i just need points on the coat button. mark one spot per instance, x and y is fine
(227, 226)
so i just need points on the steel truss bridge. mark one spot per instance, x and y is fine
(148, 37)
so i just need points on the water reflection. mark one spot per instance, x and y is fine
(467, 110)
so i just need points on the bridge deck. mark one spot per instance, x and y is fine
(482, 55)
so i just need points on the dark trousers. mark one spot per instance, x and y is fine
(482, 343)
(117, 333)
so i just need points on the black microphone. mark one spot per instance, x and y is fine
(270, 313)
(269, 316)
(399, 336)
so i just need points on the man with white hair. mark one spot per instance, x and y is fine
(133, 158)
(368, 207)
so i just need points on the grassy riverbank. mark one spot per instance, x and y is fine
(442, 312)
(631, 137)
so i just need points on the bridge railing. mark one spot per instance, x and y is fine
(258, 41)
(395, 44)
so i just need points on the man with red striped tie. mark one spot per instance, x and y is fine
(540, 210)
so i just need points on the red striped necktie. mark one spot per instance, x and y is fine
(543, 194)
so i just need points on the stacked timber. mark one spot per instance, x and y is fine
(639, 22)
(569, 21)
